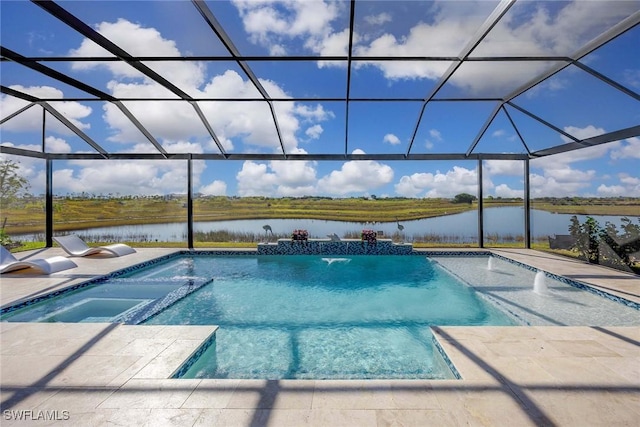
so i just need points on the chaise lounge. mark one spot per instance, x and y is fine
(75, 246)
(9, 263)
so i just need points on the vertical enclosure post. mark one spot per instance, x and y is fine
(480, 207)
(48, 191)
(527, 206)
(189, 203)
(48, 204)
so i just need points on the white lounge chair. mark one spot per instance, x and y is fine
(75, 246)
(42, 265)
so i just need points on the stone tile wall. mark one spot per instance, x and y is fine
(330, 247)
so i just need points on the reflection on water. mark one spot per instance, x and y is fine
(464, 226)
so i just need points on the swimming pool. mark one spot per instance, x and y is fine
(314, 317)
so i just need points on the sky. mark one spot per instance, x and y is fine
(572, 100)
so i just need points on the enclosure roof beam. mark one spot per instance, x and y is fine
(594, 44)
(213, 23)
(269, 157)
(84, 29)
(608, 81)
(352, 12)
(86, 138)
(55, 74)
(484, 128)
(590, 142)
(301, 99)
(103, 96)
(491, 21)
(21, 110)
(57, 115)
(15, 151)
(18, 94)
(541, 120)
(524, 143)
(296, 58)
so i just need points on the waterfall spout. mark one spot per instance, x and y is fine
(539, 284)
(490, 263)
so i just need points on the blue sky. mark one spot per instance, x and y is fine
(572, 100)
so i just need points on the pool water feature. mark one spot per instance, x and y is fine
(536, 298)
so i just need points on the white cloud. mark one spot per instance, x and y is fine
(314, 131)
(629, 149)
(498, 133)
(378, 19)
(629, 180)
(254, 180)
(549, 186)
(56, 145)
(435, 134)
(271, 23)
(546, 30)
(628, 186)
(249, 123)
(176, 125)
(121, 177)
(299, 178)
(455, 181)
(139, 41)
(215, 188)
(52, 145)
(391, 139)
(581, 133)
(317, 113)
(504, 167)
(503, 190)
(277, 178)
(356, 177)
(612, 190)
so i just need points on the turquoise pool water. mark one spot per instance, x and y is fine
(314, 317)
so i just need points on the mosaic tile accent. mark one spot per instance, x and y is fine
(329, 247)
(184, 368)
(445, 358)
(155, 307)
(455, 253)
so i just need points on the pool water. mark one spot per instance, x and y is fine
(512, 288)
(321, 318)
(327, 318)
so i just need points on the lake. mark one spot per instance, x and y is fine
(503, 221)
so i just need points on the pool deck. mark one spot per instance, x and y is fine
(105, 374)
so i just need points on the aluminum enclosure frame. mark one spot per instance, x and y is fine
(37, 64)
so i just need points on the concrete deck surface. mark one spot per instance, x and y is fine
(110, 374)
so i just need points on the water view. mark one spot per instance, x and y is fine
(463, 227)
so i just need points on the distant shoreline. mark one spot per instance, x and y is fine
(85, 213)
